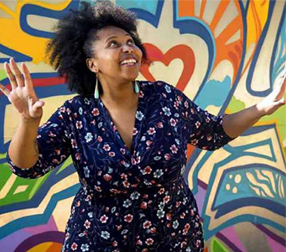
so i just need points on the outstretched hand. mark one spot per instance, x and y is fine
(22, 95)
(276, 98)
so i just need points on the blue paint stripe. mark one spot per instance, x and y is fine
(256, 55)
(31, 9)
(53, 178)
(42, 92)
(39, 219)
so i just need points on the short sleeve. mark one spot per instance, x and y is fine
(206, 131)
(53, 144)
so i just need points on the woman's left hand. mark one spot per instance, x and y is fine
(276, 98)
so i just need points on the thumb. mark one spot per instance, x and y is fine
(279, 103)
(35, 107)
(282, 101)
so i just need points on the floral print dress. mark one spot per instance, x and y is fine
(129, 200)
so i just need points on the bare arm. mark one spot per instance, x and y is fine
(235, 124)
(23, 149)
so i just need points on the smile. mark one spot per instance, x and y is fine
(129, 62)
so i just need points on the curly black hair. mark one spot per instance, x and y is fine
(75, 34)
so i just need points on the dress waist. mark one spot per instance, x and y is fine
(171, 187)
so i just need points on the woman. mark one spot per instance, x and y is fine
(127, 138)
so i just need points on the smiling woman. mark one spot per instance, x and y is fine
(127, 138)
(116, 60)
(81, 32)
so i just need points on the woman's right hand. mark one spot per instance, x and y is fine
(22, 95)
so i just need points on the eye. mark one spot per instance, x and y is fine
(112, 43)
(130, 42)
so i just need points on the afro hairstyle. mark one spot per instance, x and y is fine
(74, 36)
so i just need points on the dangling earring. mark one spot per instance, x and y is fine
(136, 87)
(96, 93)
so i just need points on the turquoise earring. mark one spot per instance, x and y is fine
(136, 87)
(96, 92)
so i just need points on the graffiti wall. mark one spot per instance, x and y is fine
(223, 54)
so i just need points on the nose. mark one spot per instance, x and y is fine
(127, 48)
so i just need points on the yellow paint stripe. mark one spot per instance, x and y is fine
(7, 10)
(61, 185)
(7, 187)
(41, 247)
(52, 6)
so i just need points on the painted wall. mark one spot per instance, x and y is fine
(225, 55)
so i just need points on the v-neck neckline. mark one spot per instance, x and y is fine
(136, 125)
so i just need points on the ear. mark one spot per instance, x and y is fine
(91, 65)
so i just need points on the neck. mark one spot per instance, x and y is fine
(119, 95)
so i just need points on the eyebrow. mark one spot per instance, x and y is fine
(112, 37)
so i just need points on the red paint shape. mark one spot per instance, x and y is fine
(181, 52)
(43, 82)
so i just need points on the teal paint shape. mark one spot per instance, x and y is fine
(214, 93)
(38, 219)
(150, 6)
(275, 204)
(236, 185)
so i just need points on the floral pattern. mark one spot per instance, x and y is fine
(129, 200)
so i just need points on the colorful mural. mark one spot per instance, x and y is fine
(223, 54)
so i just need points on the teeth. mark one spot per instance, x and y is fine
(128, 61)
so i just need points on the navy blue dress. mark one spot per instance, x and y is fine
(129, 200)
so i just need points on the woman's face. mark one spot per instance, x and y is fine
(116, 57)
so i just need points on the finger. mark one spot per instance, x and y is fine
(27, 76)
(279, 91)
(35, 110)
(279, 103)
(283, 74)
(10, 75)
(5, 90)
(18, 74)
(39, 104)
(280, 84)
(283, 83)
(34, 105)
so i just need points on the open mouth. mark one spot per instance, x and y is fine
(128, 62)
